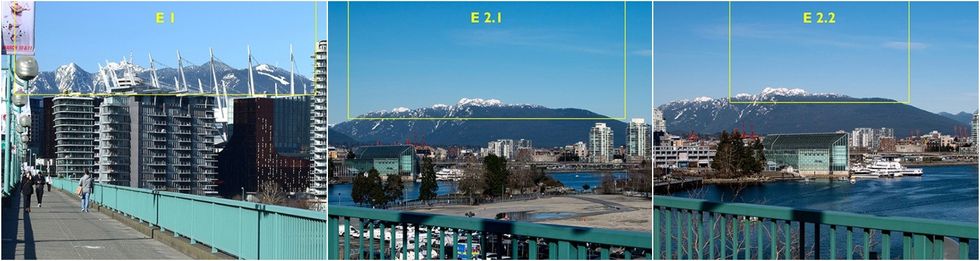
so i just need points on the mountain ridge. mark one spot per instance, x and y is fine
(71, 77)
(544, 133)
(757, 113)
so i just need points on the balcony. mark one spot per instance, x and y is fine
(697, 229)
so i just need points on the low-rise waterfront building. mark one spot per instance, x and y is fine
(386, 159)
(808, 153)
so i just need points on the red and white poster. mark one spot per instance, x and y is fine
(18, 27)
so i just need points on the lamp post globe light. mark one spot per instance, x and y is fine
(20, 98)
(25, 120)
(26, 68)
(19, 73)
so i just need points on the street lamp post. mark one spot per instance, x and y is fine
(24, 68)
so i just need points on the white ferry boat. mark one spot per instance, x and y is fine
(449, 174)
(892, 168)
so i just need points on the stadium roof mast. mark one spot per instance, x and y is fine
(292, 71)
(214, 81)
(251, 83)
(180, 69)
(153, 73)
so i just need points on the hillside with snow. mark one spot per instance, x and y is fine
(756, 112)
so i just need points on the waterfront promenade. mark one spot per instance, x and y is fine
(58, 230)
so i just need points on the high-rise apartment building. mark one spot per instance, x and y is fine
(659, 124)
(318, 123)
(638, 139)
(264, 148)
(601, 143)
(163, 141)
(73, 121)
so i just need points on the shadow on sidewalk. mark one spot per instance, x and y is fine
(11, 221)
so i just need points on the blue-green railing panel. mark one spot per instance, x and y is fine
(867, 236)
(565, 242)
(243, 229)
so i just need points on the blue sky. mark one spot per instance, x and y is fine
(862, 55)
(88, 33)
(552, 54)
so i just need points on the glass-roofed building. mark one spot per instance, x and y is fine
(808, 153)
(387, 159)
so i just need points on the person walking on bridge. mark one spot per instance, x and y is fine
(39, 183)
(26, 189)
(85, 189)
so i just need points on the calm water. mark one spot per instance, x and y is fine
(945, 193)
(340, 193)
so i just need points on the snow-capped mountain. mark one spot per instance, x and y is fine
(756, 112)
(545, 133)
(267, 78)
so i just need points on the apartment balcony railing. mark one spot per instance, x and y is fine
(697, 229)
(242, 229)
(388, 234)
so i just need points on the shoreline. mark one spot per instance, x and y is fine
(583, 210)
(940, 164)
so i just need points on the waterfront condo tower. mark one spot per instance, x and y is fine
(157, 140)
(601, 143)
(73, 121)
(318, 124)
(638, 139)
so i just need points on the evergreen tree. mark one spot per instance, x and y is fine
(496, 175)
(393, 189)
(428, 188)
(361, 189)
(376, 191)
(723, 156)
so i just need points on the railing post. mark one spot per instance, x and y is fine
(332, 247)
(816, 241)
(802, 236)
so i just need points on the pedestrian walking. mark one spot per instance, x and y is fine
(26, 189)
(39, 187)
(84, 190)
(47, 180)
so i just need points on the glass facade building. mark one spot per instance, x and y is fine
(808, 153)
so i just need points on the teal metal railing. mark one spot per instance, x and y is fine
(365, 233)
(697, 229)
(243, 229)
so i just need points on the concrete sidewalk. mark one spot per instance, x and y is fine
(59, 230)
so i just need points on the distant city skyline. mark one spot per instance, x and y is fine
(89, 33)
(570, 56)
(862, 55)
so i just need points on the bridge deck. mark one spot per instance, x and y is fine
(58, 230)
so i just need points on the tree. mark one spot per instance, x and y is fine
(722, 163)
(376, 192)
(521, 179)
(361, 189)
(393, 189)
(496, 175)
(428, 188)
(759, 156)
(271, 193)
(472, 183)
(608, 185)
